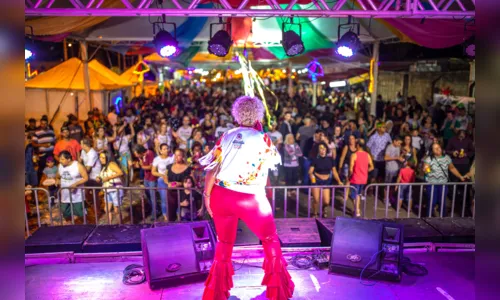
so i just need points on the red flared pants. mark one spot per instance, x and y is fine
(228, 206)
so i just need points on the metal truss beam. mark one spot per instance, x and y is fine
(440, 9)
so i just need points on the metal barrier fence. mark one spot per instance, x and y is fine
(332, 189)
(466, 189)
(298, 205)
(34, 191)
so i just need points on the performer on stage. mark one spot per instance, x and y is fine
(237, 169)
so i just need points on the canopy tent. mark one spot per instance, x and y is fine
(60, 91)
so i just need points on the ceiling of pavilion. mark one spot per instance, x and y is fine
(262, 36)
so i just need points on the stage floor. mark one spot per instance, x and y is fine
(451, 276)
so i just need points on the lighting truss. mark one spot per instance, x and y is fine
(419, 9)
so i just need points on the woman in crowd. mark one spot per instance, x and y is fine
(405, 129)
(101, 141)
(121, 145)
(175, 175)
(345, 158)
(208, 128)
(190, 199)
(196, 137)
(360, 164)
(322, 172)
(408, 151)
(338, 137)
(159, 169)
(110, 178)
(196, 153)
(436, 167)
(291, 160)
(163, 136)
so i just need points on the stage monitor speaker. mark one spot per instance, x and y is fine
(177, 254)
(372, 247)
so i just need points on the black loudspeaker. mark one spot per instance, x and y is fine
(372, 248)
(177, 254)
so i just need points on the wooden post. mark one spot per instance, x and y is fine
(65, 47)
(373, 103)
(120, 63)
(124, 62)
(290, 83)
(86, 78)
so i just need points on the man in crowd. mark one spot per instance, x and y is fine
(305, 132)
(67, 144)
(43, 141)
(146, 158)
(31, 128)
(393, 160)
(75, 130)
(461, 150)
(71, 176)
(184, 132)
(377, 144)
(311, 150)
(286, 126)
(90, 161)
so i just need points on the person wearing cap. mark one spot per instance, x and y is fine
(31, 127)
(75, 130)
(66, 143)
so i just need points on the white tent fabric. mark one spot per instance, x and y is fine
(40, 102)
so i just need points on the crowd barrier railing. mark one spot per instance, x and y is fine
(140, 204)
(34, 192)
(451, 192)
(332, 189)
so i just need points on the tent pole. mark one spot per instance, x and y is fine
(47, 101)
(315, 91)
(119, 62)
(124, 58)
(86, 77)
(374, 92)
(65, 47)
(290, 84)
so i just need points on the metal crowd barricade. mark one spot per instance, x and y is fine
(92, 200)
(34, 191)
(121, 192)
(333, 188)
(387, 187)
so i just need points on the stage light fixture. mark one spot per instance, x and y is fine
(291, 41)
(348, 43)
(166, 45)
(220, 44)
(469, 44)
(27, 54)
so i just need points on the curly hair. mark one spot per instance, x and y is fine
(247, 110)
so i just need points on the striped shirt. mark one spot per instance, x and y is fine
(43, 136)
(439, 169)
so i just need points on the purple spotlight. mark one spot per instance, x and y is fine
(345, 51)
(348, 44)
(27, 54)
(167, 51)
(166, 45)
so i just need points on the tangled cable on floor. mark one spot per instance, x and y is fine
(133, 275)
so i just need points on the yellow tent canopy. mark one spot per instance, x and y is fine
(69, 75)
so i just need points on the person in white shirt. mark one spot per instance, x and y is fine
(222, 128)
(90, 160)
(71, 176)
(159, 169)
(184, 133)
(237, 170)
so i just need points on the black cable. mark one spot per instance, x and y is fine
(134, 275)
(372, 260)
(412, 269)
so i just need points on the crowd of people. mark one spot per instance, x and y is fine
(157, 142)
